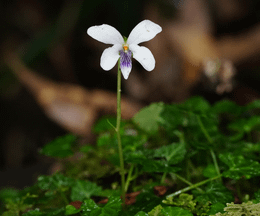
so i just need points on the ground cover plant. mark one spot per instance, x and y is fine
(191, 158)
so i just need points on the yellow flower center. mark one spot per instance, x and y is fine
(125, 47)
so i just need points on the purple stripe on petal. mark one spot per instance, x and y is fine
(125, 59)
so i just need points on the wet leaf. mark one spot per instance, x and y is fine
(214, 193)
(70, 210)
(239, 166)
(54, 182)
(173, 153)
(84, 190)
(147, 119)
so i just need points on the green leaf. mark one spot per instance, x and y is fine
(187, 117)
(147, 119)
(210, 171)
(184, 201)
(104, 124)
(113, 207)
(239, 166)
(108, 192)
(215, 208)
(214, 192)
(141, 213)
(84, 190)
(54, 182)
(133, 142)
(60, 147)
(245, 125)
(175, 211)
(172, 117)
(70, 210)
(88, 207)
(35, 212)
(146, 201)
(106, 139)
(48, 212)
(173, 153)
(196, 105)
(8, 193)
(17, 204)
(253, 105)
(149, 164)
(86, 148)
(156, 211)
(257, 196)
(226, 106)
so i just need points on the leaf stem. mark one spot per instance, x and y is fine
(204, 130)
(118, 121)
(206, 134)
(185, 181)
(193, 186)
(129, 177)
(163, 178)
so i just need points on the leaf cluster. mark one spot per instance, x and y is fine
(205, 155)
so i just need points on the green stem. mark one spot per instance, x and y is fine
(163, 178)
(129, 177)
(118, 121)
(185, 181)
(215, 162)
(206, 134)
(193, 186)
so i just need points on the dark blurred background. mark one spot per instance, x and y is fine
(51, 82)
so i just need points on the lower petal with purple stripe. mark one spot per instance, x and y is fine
(125, 62)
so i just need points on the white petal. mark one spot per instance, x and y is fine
(125, 63)
(105, 34)
(126, 71)
(143, 55)
(110, 56)
(144, 31)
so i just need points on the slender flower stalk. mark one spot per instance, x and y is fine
(118, 121)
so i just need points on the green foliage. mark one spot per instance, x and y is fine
(173, 153)
(17, 204)
(113, 207)
(194, 149)
(70, 210)
(166, 211)
(210, 171)
(60, 147)
(239, 166)
(214, 193)
(84, 190)
(55, 182)
(141, 213)
(156, 211)
(216, 208)
(147, 119)
(257, 196)
(187, 202)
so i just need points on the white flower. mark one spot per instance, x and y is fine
(125, 48)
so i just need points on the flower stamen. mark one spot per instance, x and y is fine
(125, 48)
